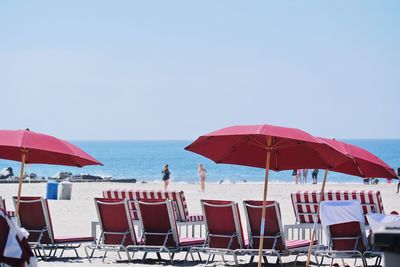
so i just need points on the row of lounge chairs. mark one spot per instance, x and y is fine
(158, 216)
(223, 227)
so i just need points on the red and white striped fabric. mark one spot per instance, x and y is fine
(177, 196)
(14, 248)
(305, 202)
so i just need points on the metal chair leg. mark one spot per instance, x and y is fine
(104, 256)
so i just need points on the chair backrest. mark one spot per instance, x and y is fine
(344, 222)
(34, 216)
(115, 222)
(223, 225)
(177, 196)
(305, 203)
(273, 231)
(158, 223)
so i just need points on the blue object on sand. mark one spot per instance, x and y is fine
(52, 190)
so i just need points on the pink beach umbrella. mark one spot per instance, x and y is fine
(360, 162)
(29, 147)
(267, 146)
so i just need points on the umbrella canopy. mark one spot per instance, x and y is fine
(360, 162)
(269, 147)
(42, 148)
(26, 146)
(289, 148)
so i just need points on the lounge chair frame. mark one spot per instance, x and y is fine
(228, 251)
(354, 253)
(279, 235)
(350, 254)
(172, 232)
(118, 248)
(38, 247)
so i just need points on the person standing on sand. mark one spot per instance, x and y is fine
(305, 173)
(299, 176)
(398, 183)
(294, 174)
(165, 178)
(314, 175)
(202, 176)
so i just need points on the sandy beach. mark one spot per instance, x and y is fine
(73, 217)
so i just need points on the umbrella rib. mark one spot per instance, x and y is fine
(231, 148)
(322, 158)
(358, 166)
(262, 145)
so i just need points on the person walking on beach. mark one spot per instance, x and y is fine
(305, 173)
(294, 175)
(398, 183)
(314, 175)
(202, 176)
(165, 178)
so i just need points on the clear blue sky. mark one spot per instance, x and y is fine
(179, 69)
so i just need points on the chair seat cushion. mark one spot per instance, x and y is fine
(293, 244)
(191, 241)
(73, 239)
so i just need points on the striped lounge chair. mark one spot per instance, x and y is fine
(305, 205)
(305, 202)
(183, 218)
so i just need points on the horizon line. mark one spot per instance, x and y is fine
(191, 140)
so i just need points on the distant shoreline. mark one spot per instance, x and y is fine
(129, 181)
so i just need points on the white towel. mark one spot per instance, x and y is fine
(378, 221)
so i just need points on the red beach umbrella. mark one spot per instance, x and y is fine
(360, 162)
(29, 147)
(266, 146)
(289, 148)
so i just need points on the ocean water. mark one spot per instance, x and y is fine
(144, 160)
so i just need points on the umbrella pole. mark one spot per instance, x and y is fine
(21, 175)
(316, 220)
(260, 247)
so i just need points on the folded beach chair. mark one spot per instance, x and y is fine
(116, 224)
(224, 232)
(34, 216)
(274, 243)
(159, 230)
(14, 248)
(343, 222)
